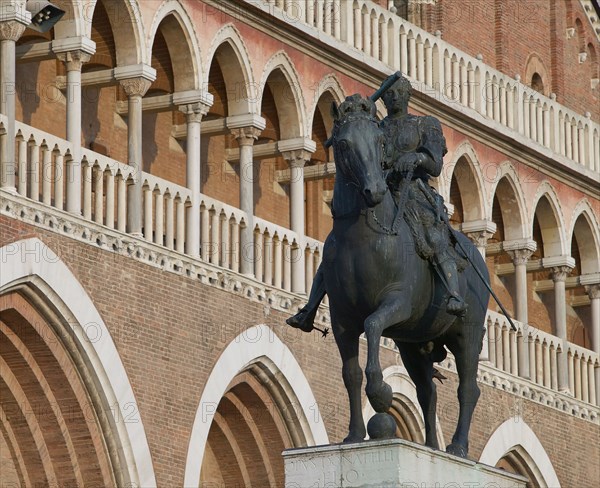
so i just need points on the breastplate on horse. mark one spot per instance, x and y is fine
(376, 281)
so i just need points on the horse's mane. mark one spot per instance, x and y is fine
(355, 107)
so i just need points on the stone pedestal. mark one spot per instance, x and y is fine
(394, 463)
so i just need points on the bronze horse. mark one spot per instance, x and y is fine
(377, 284)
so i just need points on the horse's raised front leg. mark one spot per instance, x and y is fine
(420, 369)
(466, 347)
(347, 342)
(393, 309)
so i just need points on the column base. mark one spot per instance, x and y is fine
(390, 463)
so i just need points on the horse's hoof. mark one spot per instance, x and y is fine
(381, 399)
(457, 450)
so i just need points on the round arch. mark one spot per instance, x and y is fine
(290, 106)
(507, 187)
(551, 220)
(176, 26)
(31, 263)
(331, 85)
(513, 434)
(128, 30)
(254, 345)
(468, 173)
(405, 392)
(584, 226)
(75, 21)
(231, 52)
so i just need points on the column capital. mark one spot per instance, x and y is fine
(135, 79)
(74, 51)
(593, 291)
(135, 86)
(194, 111)
(479, 231)
(246, 135)
(12, 30)
(520, 256)
(74, 60)
(560, 273)
(479, 238)
(297, 158)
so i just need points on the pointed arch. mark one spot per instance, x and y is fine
(506, 181)
(474, 200)
(515, 434)
(236, 67)
(555, 242)
(185, 53)
(256, 345)
(290, 105)
(585, 227)
(32, 264)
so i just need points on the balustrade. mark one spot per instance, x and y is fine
(43, 164)
(503, 350)
(457, 76)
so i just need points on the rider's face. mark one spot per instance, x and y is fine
(396, 101)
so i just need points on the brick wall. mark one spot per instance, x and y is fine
(169, 330)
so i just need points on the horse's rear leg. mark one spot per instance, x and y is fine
(392, 310)
(420, 370)
(466, 347)
(347, 342)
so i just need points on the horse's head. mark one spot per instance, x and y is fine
(358, 147)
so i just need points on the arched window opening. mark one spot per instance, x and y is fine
(251, 427)
(514, 463)
(537, 83)
(407, 426)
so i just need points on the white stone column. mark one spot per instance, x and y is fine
(593, 291)
(297, 153)
(194, 113)
(136, 81)
(246, 137)
(12, 26)
(520, 252)
(479, 231)
(559, 275)
(74, 52)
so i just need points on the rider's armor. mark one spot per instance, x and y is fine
(425, 212)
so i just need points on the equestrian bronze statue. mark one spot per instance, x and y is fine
(391, 268)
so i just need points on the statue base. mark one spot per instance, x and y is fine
(391, 463)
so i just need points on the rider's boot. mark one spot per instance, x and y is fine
(456, 305)
(305, 317)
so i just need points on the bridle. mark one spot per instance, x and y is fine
(343, 154)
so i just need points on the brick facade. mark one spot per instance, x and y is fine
(172, 322)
